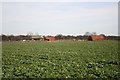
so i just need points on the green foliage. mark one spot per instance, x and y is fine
(70, 59)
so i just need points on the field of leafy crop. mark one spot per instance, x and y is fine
(69, 59)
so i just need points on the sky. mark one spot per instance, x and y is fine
(59, 0)
(52, 18)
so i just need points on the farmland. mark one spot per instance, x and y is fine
(69, 59)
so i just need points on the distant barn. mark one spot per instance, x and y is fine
(37, 38)
(49, 38)
(96, 37)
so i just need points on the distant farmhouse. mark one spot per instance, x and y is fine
(49, 38)
(37, 38)
(42, 38)
(96, 37)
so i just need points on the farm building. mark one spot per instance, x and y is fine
(96, 37)
(37, 38)
(49, 38)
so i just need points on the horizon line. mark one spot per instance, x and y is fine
(60, 34)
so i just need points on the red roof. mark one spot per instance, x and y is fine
(50, 38)
(96, 37)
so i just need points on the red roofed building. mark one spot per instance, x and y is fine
(96, 37)
(49, 38)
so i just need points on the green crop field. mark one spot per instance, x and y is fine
(69, 59)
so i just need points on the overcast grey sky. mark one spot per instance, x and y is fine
(67, 18)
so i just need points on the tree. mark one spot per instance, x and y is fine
(102, 35)
(94, 33)
(29, 33)
(59, 36)
(4, 38)
(36, 34)
(87, 34)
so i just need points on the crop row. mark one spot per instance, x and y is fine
(71, 59)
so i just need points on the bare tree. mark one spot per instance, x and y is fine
(29, 33)
(93, 33)
(87, 34)
(36, 34)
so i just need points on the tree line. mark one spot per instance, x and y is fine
(57, 37)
